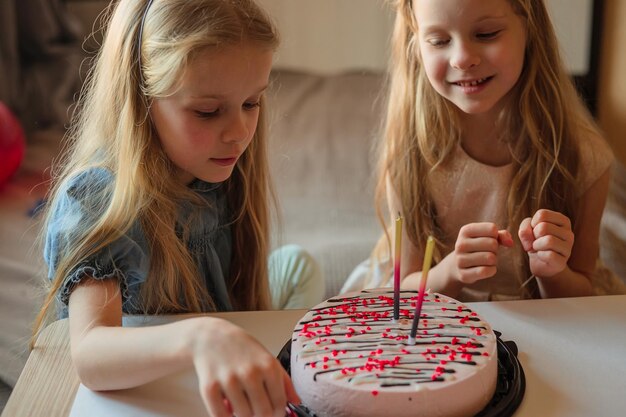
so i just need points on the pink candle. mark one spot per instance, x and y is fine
(396, 269)
(428, 256)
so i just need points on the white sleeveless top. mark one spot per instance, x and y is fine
(467, 191)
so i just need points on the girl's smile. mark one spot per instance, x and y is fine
(472, 86)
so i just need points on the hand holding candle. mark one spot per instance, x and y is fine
(428, 257)
(396, 269)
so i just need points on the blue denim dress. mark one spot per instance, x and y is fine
(128, 258)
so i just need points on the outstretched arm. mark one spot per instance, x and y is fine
(563, 264)
(236, 374)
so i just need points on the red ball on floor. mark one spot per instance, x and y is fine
(12, 144)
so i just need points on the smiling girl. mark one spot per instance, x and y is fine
(162, 206)
(488, 148)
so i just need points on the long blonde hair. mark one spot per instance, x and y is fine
(111, 129)
(544, 120)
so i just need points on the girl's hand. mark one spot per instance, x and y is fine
(237, 375)
(548, 239)
(476, 251)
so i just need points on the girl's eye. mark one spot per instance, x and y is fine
(252, 105)
(206, 114)
(487, 35)
(438, 42)
(248, 106)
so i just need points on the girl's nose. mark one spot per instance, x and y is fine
(464, 56)
(237, 129)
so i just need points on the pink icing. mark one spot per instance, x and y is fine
(349, 358)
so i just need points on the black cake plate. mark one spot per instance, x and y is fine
(510, 386)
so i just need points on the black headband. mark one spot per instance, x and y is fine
(140, 39)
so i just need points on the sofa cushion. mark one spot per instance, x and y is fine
(322, 128)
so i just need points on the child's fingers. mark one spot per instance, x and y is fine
(478, 230)
(479, 244)
(553, 244)
(473, 267)
(274, 385)
(292, 395)
(552, 258)
(237, 398)
(476, 250)
(549, 216)
(525, 234)
(265, 389)
(470, 260)
(214, 400)
(228, 406)
(477, 237)
(505, 239)
(550, 229)
(476, 273)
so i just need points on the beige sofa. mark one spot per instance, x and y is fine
(322, 130)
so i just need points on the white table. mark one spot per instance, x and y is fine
(573, 352)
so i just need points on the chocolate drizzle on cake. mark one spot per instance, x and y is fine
(354, 339)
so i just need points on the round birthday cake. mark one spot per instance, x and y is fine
(350, 358)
